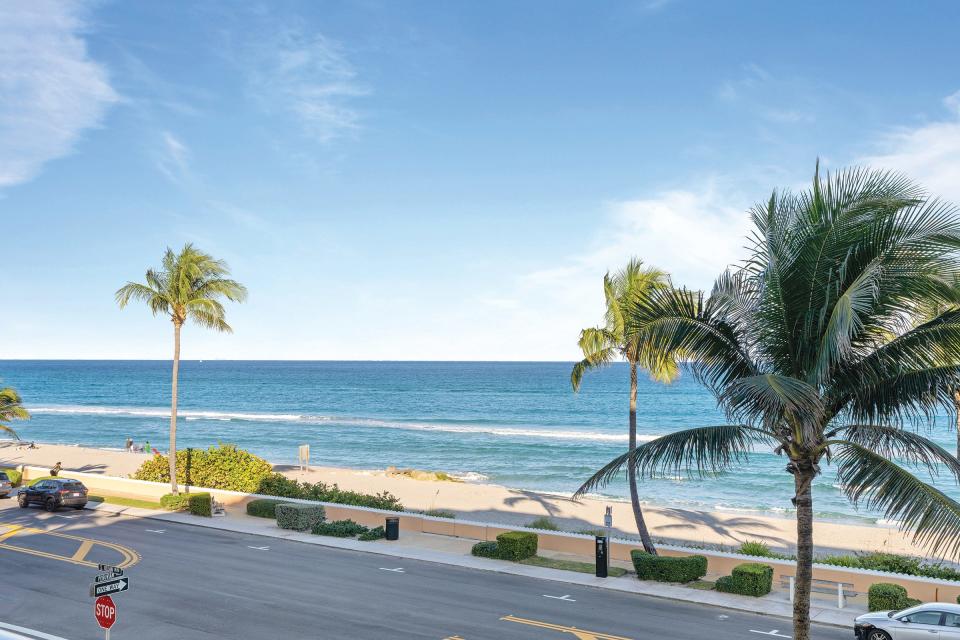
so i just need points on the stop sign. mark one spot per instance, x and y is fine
(105, 612)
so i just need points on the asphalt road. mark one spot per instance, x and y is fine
(196, 583)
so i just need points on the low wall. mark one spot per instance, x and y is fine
(718, 563)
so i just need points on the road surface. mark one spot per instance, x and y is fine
(192, 583)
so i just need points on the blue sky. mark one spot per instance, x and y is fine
(429, 180)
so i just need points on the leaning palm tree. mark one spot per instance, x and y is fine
(616, 341)
(11, 408)
(189, 286)
(810, 351)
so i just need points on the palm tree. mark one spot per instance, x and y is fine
(613, 341)
(809, 349)
(189, 286)
(11, 408)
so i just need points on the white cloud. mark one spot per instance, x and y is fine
(173, 158)
(928, 153)
(307, 75)
(50, 89)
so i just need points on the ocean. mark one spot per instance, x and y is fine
(517, 424)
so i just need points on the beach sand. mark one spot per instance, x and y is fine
(497, 504)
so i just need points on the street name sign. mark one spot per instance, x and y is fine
(113, 586)
(115, 571)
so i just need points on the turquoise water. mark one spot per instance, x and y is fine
(515, 424)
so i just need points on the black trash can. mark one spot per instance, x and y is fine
(602, 556)
(393, 528)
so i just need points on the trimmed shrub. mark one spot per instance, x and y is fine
(221, 467)
(339, 529)
(175, 502)
(667, 568)
(14, 476)
(440, 513)
(485, 550)
(517, 545)
(884, 596)
(377, 533)
(747, 579)
(543, 523)
(263, 508)
(299, 517)
(200, 504)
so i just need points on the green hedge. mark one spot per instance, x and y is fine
(892, 563)
(299, 517)
(221, 467)
(748, 579)
(14, 475)
(199, 504)
(263, 508)
(668, 568)
(277, 484)
(377, 533)
(485, 550)
(885, 596)
(175, 502)
(339, 529)
(516, 545)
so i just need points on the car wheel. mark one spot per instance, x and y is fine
(22, 501)
(50, 504)
(79, 506)
(878, 634)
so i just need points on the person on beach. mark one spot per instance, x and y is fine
(129, 444)
(146, 446)
(56, 469)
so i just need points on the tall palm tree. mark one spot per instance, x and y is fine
(11, 408)
(809, 349)
(189, 286)
(614, 341)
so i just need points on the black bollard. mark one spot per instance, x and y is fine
(602, 556)
(392, 529)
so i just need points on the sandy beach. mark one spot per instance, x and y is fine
(493, 503)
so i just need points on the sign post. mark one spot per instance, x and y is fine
(105, 611)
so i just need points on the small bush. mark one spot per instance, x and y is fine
(884, 596)
(339, 529)
(377, 533)
(277, 484)
(440, 513)
(485, 550)
(14, 476)
(299, 517)
(754, 548)
(544, 523)
(263, 508)
(748, 579)
(175, 502)
(517, 545)
(667, 568)
(200, 504)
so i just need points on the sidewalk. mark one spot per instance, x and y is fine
(456, 551)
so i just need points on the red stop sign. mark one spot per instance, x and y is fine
(105, 612)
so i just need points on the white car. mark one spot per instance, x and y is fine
(932, 621)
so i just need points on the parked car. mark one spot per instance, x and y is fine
(54, 493)
(5, 485)
(932, 620)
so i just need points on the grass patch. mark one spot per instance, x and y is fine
(703, 585)
(544, 524)
(571, 565)
(125, 502)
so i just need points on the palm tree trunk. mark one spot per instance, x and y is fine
(631, 470)
(173, 408)
(803, 478)
(956, 407)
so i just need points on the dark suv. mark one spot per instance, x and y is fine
(54, 493)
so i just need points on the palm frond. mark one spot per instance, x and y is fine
(5, 429)
(894, 443)
(870, 479)
(599, 348)
(699, 451)
(770, 398)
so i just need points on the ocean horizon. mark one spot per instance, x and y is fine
(517, 424)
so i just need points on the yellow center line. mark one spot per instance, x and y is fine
(581, 634)
(84, 549)
(11, 531)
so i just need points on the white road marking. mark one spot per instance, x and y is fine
(156, 530)
(30, 632)
(60, 515)
(770, 633)
(259, 548)
(722, 617)
(565, 598)
(397, 570)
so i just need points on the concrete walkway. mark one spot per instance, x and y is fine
(456, 551)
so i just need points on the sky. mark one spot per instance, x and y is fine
(429, 180)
